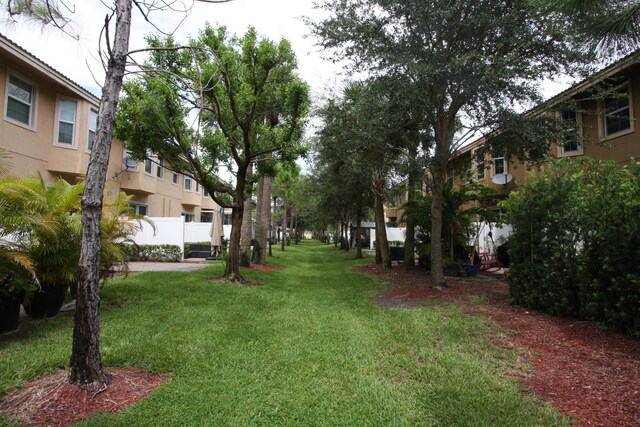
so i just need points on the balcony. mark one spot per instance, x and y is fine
(191, 198)
(65, 161)
(136, 182)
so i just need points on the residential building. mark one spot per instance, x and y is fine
(601, 109)
(48, 125)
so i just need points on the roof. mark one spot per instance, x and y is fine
(15, 50)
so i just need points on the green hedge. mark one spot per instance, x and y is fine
(575, 245)
(164, 253)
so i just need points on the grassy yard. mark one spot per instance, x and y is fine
(307, 347)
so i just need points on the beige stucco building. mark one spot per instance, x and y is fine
(48, 125)
(603, 112)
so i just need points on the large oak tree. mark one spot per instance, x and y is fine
(468, 59)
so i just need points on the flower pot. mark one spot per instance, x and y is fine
(471, 270)
(47, 301)
(9, 313)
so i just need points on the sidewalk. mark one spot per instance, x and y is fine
(190, 264)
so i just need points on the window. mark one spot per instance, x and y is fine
(175, 178)
(226, 218)
(20, 101)
(570, 134)
(187, 183)
(197, 187)
(617, 113)
(468, 173)
(139, 209)
(93, 125)
(160, 168)
(148, 164)
(499, 166)
(479, 168)
(205, 192)
(189, 217)
(206, 216)
(66, 121)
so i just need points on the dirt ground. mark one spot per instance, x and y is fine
(589, 374)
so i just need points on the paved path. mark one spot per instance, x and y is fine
(191, 265)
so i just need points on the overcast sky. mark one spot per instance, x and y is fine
(274, 19)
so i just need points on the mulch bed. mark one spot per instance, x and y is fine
(51, 400)
(589, 374)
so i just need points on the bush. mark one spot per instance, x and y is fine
(575, 245)
(162, 253)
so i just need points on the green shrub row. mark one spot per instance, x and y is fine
(163, 253)
(575, 245)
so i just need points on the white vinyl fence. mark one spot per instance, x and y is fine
(393, 234)
(174, 231)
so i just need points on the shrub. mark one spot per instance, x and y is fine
(575, 245)
(162, 253)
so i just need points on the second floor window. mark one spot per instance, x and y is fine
(187, 183)
(176, 178)
(617, 113)
(160, 168)
(93, 125)
(479, 169)
(20, 96)
(499, 166)
(66, 121)
(570, 135)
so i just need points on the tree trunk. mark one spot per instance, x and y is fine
(86, 365)
(381, 233)
(232, 269)
(245, 233)
(347, 244)
(263, 216)
(291, 221)
(359, 232)
(410, 237)
(272, 228)
(444, 131)
(382, 244)
(284, 224)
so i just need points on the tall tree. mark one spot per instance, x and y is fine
(249, 104)
(467, 59)
(86, 364)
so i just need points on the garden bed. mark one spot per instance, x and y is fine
(585, 372)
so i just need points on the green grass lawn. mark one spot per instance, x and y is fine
(308, 347)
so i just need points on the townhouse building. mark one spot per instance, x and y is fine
(48, 125)
(601, 109)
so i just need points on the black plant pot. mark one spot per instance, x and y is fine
(47, 301)
(9, 313)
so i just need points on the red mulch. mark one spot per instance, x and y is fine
(586, 373)
(51, 400)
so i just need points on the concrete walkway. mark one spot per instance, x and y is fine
(190, 264)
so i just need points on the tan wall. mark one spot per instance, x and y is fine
(34, 148)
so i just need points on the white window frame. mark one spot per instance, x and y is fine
(626, 87)
(188, 179)
(189, 216)
(504, 165)
(148, 163)
(175, 178)
(91, 123)
(137, 206)
(208, 212)
(32, 107)
(56, 136)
